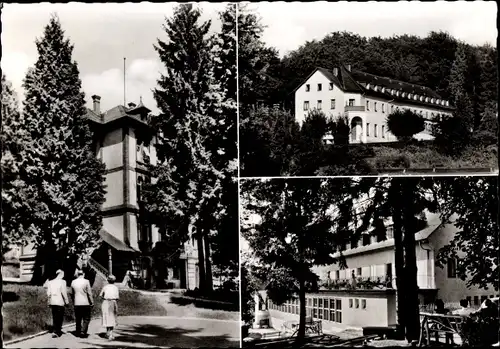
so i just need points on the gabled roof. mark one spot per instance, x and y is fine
(119, 112)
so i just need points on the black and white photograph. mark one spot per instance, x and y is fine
(387, 261)
(250, 174)
(119, 175)
(355, 88)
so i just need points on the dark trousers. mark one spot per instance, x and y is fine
(82, 318)
(57, 318)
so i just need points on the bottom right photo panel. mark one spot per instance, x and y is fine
(369, 261)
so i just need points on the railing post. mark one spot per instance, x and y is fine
(110, 261)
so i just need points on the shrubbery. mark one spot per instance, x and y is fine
(480, 331)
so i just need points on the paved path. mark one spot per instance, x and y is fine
(147, 331)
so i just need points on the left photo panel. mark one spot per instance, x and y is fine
(119, 175)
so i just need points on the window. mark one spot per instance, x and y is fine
(383, 131)
(338, 304)
(392, 108)
(320, 87)
(363, 304)
(375, 106)
(315, 313)
(331, 86)
(320, 302)
(315, 302)
(354, 242)
(320, 103)
(308, 88)
(351, 102)
(356, 303)
(375, 130)
(367, 105)
(452, 268)
(476, 300)
(309, 302)
(337, 274)
(368, 129)
(358, 271)
(383, 108)
(350, 303)
(332, 104)
(469, 300)
(306, 105)
(325, 314)
(339, 317)
(332, 315)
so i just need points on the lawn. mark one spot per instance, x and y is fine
(25, 309)
(425, 156)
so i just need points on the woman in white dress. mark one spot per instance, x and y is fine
(109, 306)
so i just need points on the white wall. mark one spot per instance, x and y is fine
(114, 226)
(325, 95)
(114, 189)
(452, 290)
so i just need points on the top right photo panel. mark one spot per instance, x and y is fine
(367, 88)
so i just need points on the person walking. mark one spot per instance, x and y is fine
(58, 299)
(109, 307)
(83, 302)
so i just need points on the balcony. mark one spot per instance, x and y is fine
(365, 283)
(349, 108)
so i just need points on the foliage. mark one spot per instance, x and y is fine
(267, 142)
(60, 179)
(452, 135)
(196, 143)
(295, 232)
(478, 331)
(474, 203)
(404, 124)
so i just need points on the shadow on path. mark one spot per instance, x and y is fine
(161, 336)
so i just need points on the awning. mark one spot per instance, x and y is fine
(115, 243)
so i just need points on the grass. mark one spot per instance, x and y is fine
(26, 310)
(425, 156)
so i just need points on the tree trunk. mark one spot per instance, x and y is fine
(398, 257)
(201, 262)
(208, 271)
(46, 263)
(302, 313)
(412, 310)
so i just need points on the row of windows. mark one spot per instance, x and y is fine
(319, 87)
(410, 95)
(477, 301)
(375, 107)
(319, 104)
(329, 309)
(388, 272)
(375, 134)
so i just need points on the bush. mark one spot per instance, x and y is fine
(404, 124)
(401, 161)
(480, 331)
(452, 136)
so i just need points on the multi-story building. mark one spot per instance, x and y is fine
(366, 100)
(370, 300)
(125, 235)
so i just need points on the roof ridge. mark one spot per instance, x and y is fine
(395, 80)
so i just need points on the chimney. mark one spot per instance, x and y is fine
(336, 71)
(131, 105)
(97, 104)
(349, 67)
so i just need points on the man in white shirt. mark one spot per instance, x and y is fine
(83, 301)
(465, 310)
(58, 298)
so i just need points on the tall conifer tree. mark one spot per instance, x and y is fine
(64, 176)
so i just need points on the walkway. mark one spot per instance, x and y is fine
(147, 331)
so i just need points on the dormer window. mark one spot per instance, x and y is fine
(403, 94)
(308, 87)
(383, 89)
(427, 99)
(415, 97)
(433, 100)
(397, 93)
(421, 98)
(409, 95)
(447, 103)
(438, 101)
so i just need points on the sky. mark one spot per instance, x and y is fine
(102, 35)
(289, 25)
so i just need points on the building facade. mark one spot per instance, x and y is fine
(126, 236)
(366, 100)
(370, 299)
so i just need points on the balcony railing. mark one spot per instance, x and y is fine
(367, 283)
(354, 108)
